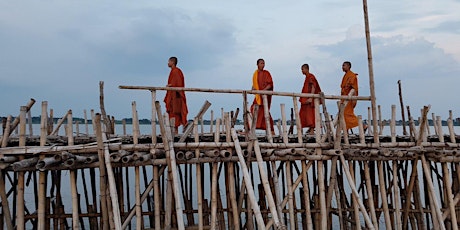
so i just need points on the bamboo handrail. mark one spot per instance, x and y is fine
(239, 91)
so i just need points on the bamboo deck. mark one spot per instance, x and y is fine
(228, 178)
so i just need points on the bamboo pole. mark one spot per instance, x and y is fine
(371, 71)
(450, 201)
(292, 224)
(380, 122)
(277, 192)
(306, 191)
(393, 124)
(351, 183)
(171, 159)
(268, 126)
(384, 197)
(440, 132)
(266, 185)
(231, 187)
(247, 181)
(73, 177)
(284, 124)
(397, 197)
(431, 191)
(198, 179)
(370, 194)
(297, 120)
(5, 204)
(17, 119)
(102, 172)
(402, 109)
(322, 187)
(200, 114)
(60, 121)
(214, 185)
(450, 124)
(20, 222)
(354, 201)
(137, 192)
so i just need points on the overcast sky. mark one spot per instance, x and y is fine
(58, 51)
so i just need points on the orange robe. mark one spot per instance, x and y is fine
(263, 80)
(349, 82)
(307, 110)
(176, 102)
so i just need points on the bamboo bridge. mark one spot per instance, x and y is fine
(225, 177)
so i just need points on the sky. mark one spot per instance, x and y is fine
(59, 51)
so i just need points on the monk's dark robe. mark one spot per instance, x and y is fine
(307, 108)
(176, 102)
(349, 82)
(262, 79)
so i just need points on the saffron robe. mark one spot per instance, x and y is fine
(260, 80)
(349, 82)
(176, 102)
(307, 109)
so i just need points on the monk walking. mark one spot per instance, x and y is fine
(176, 103)
(307, 105)
(262, 80)
(349, 88)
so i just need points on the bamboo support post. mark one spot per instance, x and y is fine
(449, 196)
(268, 126)
(137, 190)
(297, 120)
(102, 172)
(16, 121)
(169, 147)
(384, 197)
(396, 197)
(247, 181)
(393, 124)
(73, 177)
(292, 224)
(20, 213)
(431, 191)
(351, 183)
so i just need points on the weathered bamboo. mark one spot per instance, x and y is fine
(449, 196)
(440, 132)
(5, 203)
(198, 179)
(169, 147)
(292, 224)
(214, 184)
(402, 108)
(351, 183)
(383, 196)
(397, 197)
(137, 189)
(354, 202)
(266, 185)
(268, 126)
(393, 124)
(102, 172)
(247, 181)
(297, 120)
(200, 114)
(371, 71)
(231, 172)
(16, 120)
(450, 124)
(20, 222)
(73, 177)
(105, 117)
(431, 192)
(380, 122)
(60, 122)
(370, 194)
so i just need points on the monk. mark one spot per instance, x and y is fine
(307, 105)
(176, 103)
(349, 83)
(262, 80)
